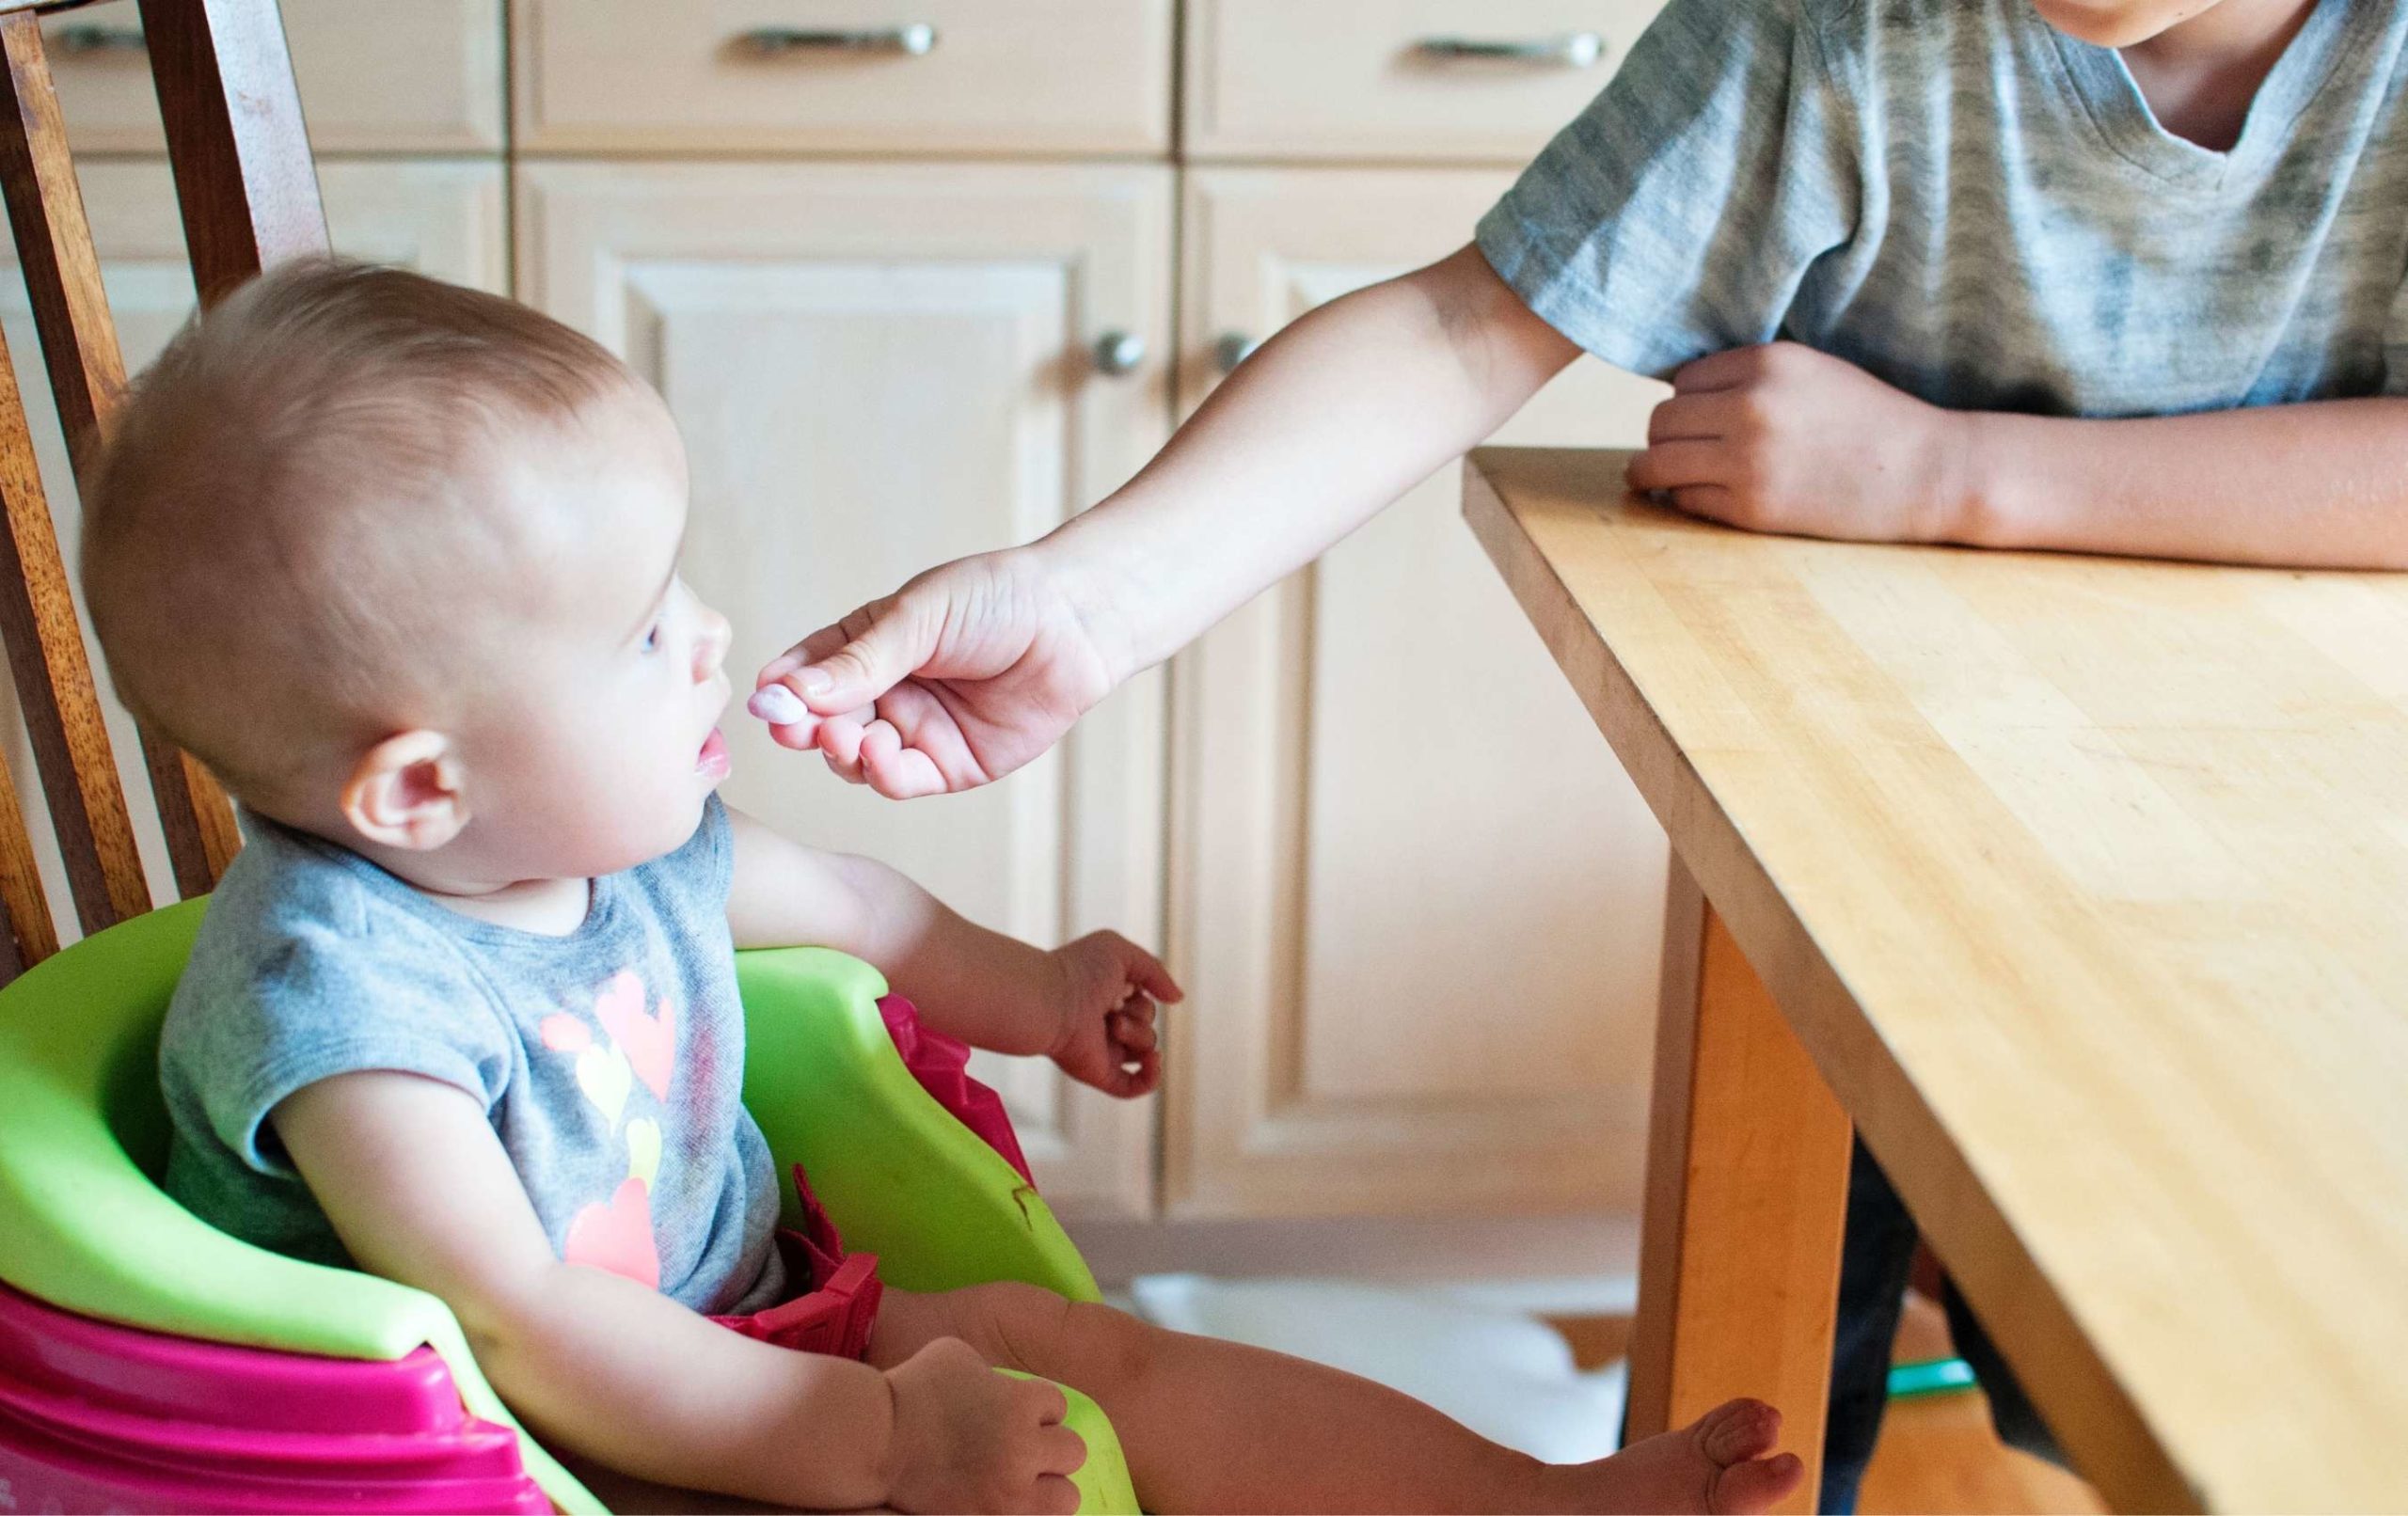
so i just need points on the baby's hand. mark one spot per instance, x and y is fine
(1107, 1038)
(967, 1438)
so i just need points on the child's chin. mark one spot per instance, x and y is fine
(636, 847)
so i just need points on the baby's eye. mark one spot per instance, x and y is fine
(652, 638)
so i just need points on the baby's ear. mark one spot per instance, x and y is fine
(404, 793)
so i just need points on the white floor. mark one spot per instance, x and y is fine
(1474, 1350)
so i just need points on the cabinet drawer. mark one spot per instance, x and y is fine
(956, 76)
(375, 75)
(1459, 80)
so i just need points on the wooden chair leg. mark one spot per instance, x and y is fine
(1747, 1197)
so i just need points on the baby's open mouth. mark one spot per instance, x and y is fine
(712, 760)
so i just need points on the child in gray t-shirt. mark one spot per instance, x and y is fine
(2113, 276)
(398, 561)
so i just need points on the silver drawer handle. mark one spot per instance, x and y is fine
(1231, 349)
(1117, 353)
(1579, 50)
(89, 38)
(917, 40)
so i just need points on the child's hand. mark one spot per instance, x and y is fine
(1107, 1038)
(1783, 438)
(967, 1438)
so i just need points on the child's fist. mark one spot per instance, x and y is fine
(1107, 1037)
(967, 1438)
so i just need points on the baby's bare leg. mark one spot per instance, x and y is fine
(1216, 1426)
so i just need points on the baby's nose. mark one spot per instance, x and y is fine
(710, 649)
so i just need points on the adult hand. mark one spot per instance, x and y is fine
(965, 673)
(1783, 438)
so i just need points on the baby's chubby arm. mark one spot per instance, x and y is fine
(419, 1189)
(1088, 1005)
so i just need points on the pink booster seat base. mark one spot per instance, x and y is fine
(95, 1416)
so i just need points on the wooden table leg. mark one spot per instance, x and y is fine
(1747, 1196)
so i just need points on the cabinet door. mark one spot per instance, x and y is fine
(1416, 901)
(443, 219)
(879, 367)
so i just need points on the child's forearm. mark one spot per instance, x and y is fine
(1333, 418)
(988, 990)
(623, 1375)
(2323, 484)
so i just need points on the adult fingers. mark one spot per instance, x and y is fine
(929, 726)
(1711, 502)
(1723, 370)
(885, 643)
(1699, 417)
(840, 743)
(818, 645)
(1672, 466)
(897, 771)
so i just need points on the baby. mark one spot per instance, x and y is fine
(399, 563)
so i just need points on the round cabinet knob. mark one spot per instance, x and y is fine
(1117, 352)
(1231, 349)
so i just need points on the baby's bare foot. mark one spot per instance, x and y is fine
(1717, 1463)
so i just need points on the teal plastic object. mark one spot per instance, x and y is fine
(1932, 1376)
(84, 1226)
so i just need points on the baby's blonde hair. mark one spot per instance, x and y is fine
(293, 492)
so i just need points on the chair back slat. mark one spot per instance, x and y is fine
(244, 178)
(30, 935)
(79, 342)
(54, 677)
(249, 192)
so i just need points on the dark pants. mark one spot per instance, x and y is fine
(1874, 1261)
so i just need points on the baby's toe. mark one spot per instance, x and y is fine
(1738, 1430)
(1756, 1484)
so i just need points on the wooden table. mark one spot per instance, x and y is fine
(2082, 885)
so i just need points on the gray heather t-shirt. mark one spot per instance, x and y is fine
(1977, 209)
(611, 1061)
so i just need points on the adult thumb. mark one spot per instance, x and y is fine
(883, 653)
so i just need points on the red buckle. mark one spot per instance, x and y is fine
(836, 1319)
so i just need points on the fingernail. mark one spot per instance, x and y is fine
(817, 682)
(777, 705)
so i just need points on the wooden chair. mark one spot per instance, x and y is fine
(249, 197)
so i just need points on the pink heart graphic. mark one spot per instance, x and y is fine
(564, 1034)
(617, 1237)
(649, 1042)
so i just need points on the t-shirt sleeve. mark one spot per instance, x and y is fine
(1677, 214)
(317, 1002)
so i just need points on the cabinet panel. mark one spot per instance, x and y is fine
(445, 218)
(1396, 78)
(878, 368)
(1419, 906)
(375, 76)
(956, 76)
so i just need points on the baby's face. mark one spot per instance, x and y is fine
(600, 740)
